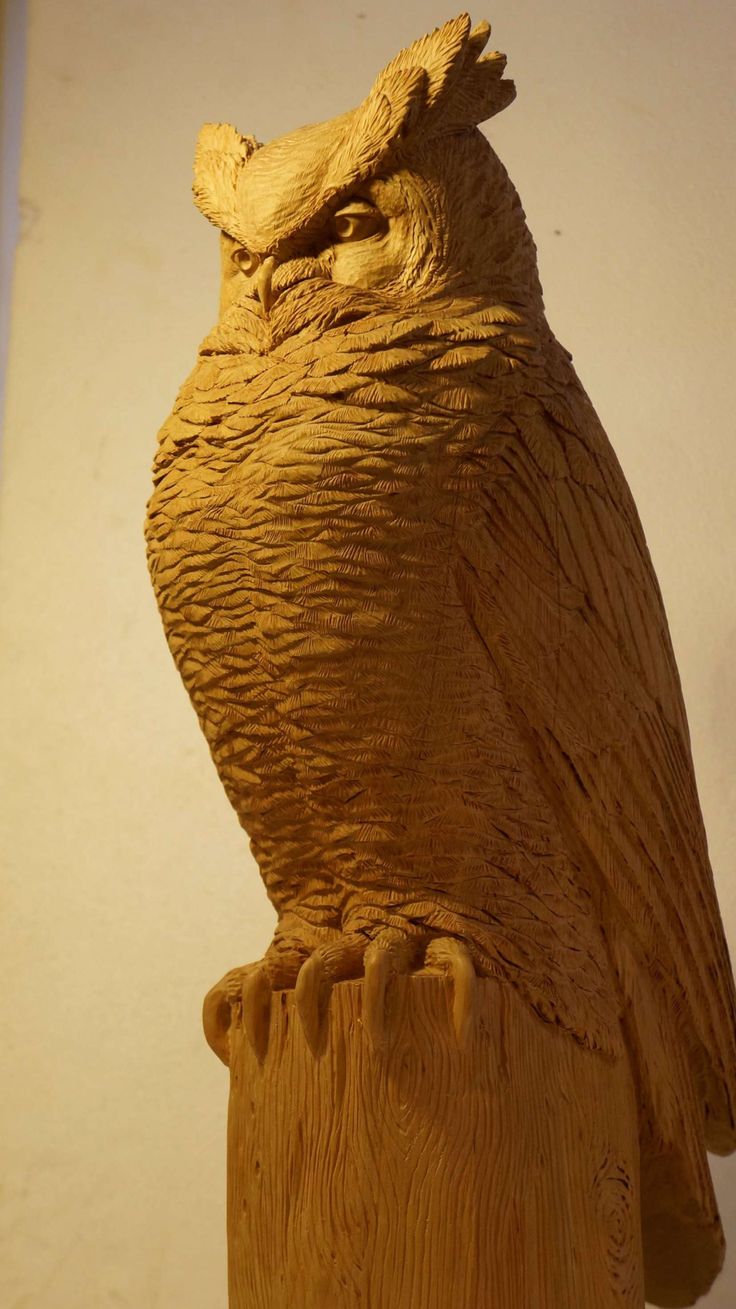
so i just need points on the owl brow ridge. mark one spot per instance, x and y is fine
(439, 85)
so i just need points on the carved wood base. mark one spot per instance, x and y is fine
(504, 1176)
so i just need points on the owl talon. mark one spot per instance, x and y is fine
(217, 1014)
(390, 953)
(332, 963)
(312, 997)
(454, 958)
(378, 970)
(256, 996)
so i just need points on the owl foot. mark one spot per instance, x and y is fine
(247, 991)
(389, 954)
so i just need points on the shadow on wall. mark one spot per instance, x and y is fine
(12, 80)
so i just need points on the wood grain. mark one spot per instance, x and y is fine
(502, 1177)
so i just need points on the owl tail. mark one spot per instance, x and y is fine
(683, 1239)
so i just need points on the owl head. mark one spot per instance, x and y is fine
(403, 196)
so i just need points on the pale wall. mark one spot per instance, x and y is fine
(129, 887)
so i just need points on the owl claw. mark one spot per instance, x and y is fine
(216, 1023)
(217, 1012)
(453, 958)
(332, 963)
(390, 953)
(256, 996)
(378, 970)
(312, 997)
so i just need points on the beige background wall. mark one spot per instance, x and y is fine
(128, 887)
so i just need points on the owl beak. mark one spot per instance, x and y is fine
(263, 282)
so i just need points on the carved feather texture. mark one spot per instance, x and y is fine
(220, 154)
(376, 126)
(464, 87)
(440, 54)
(319, 460)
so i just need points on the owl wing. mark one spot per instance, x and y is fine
(557, 583)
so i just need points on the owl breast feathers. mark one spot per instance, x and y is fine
(405, 583)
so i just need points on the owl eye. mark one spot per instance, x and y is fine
(246, 262)
(357, 221)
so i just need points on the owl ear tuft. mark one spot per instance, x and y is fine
(377, 124)
(463, 86)
(480, 91)
(439, 54)
(220, 154)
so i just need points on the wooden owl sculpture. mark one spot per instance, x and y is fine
(405, 583)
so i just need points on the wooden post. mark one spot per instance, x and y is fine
(504, 1176)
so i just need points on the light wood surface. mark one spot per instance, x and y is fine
(405, 583)
(501, 1177)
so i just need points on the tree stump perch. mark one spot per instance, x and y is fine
(502, 1176)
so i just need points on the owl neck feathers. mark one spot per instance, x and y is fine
(327, 340)
(352, 364)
